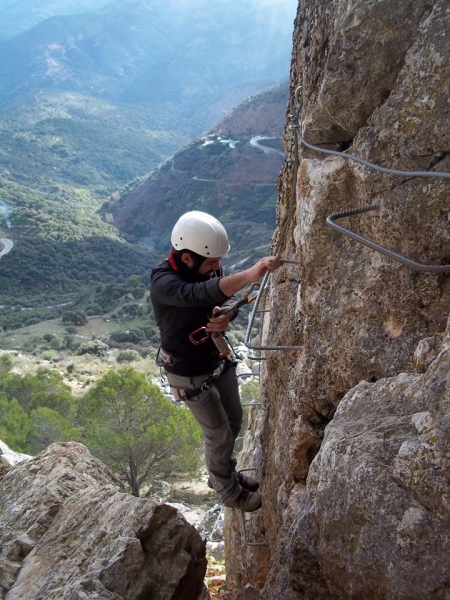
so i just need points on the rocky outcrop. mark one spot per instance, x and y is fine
(374, 518)
(68, 531)
(375, 81)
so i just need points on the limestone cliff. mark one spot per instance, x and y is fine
(352, 446)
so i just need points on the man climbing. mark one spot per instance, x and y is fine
(186, 291)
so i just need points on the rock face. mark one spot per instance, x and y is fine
(355, 496)
(68, 531)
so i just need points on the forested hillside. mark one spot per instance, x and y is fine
(91, 103)
(67, 243)
(197, 56)
(230, 172)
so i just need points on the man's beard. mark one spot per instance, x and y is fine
(193, 276)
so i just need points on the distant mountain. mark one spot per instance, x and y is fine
(197, 55)
(20, 15)
(230, 172)
(90, 103)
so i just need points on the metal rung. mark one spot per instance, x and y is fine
(257, 357)
(244, 533)
(252, 320)
(377, 247)
(242, 519)
(254, 404)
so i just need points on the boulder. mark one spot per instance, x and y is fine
(68, 531)
(374, 518)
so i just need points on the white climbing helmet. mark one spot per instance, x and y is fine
(201, 233)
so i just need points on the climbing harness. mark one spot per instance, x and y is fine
(217, 337)
(182, 393)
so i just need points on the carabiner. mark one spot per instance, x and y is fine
(202, 340)
(249, 290)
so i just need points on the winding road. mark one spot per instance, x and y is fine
(6, 246)
(266, 149)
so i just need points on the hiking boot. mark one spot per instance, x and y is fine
(249, 483)
(246, 501)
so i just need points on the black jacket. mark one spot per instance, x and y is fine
(180, 308)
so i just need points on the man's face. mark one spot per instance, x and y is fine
(208, 266)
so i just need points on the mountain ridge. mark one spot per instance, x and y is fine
(221, 172)
(140, 53)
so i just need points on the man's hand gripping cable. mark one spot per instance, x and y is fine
(217, 337)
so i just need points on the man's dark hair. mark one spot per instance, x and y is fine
(188, 274)
(197, 258)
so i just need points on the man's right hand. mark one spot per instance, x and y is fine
(268, 263)
(231, 284)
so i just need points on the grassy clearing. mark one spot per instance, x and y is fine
(32, 350)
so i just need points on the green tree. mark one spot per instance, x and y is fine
(47, 427)
(45, 388)
(250, 392)
(77, 317)
(134, 429)
(14, 424)
(134, 281)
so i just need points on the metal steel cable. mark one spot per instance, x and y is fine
(415, 266)
(371, 165)
(252, 316)
(296, 115)
(331, 218)
(423, 268)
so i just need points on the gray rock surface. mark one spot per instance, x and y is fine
(374, 520)
(69, 532)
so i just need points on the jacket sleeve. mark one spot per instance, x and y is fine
(170, 289)
(230, 301)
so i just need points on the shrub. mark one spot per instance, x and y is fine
(132, 336)
(77, 317)
(96, 347)
(31, 321)
(128, 356)
(49, 354)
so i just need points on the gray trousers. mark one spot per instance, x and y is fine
(218, 411)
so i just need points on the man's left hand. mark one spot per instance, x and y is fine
(219, 323)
